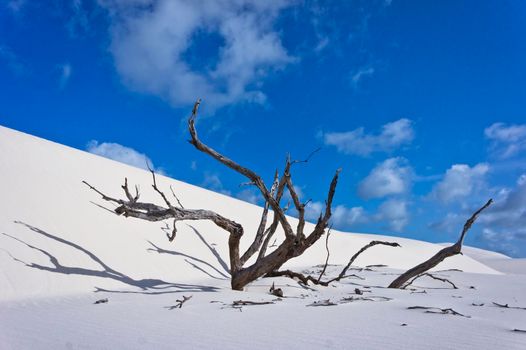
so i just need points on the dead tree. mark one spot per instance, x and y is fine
(444, 253)
(295, 241)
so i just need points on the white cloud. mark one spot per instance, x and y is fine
(460, 181)
(342, 216)
(392, 176)
(506, 140)
(65, 74)
(152, 43)
(501, 227)
(392, 136)
(395, 212)
(119, 153)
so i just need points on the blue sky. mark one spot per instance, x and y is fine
(421, 103)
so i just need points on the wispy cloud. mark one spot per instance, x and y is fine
(119, 153)
(12, 61)
(392, 176)
(15, 6)
(359, 75)
(506, 140)
(153, 43)
(65, 71)
(357, 142)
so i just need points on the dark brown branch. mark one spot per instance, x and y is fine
(441, 255)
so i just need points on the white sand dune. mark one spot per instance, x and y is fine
(61, 248)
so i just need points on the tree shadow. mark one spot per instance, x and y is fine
(220, 260)
(190, 260)
(146, 286)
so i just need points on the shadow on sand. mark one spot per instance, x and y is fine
(145, 286)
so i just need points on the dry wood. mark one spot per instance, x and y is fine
(437, 310)
(295, 241)
(180, 302)
(506, 306)
(441, 255)
(248, 302)
(445, 280)
(326, 302)
(371, 298)
(276, 291)
(305, 279)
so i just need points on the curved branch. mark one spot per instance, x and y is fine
(441, 255)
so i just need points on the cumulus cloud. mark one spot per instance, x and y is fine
(506, 140)
(392, 176)
(154, 45)
(501, 227)
(357, 142)
(119, 153)
(394, 212)
(459, 182)
(342, 216)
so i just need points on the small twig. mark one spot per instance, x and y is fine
(371, 298)
(326, 302)
(519, 330)
(101, 301)
(180, 302)
(248, 302)
(306, 160)
(176, 198)
(276, 291)
(437, 310)
(506, 306)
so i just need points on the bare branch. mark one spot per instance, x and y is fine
(306, 160)
(180, 302)
(445, 280)
(176, 198)
(437, 310)
(154, 185)
(441, 255)
(355, 256)
(328, 254)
